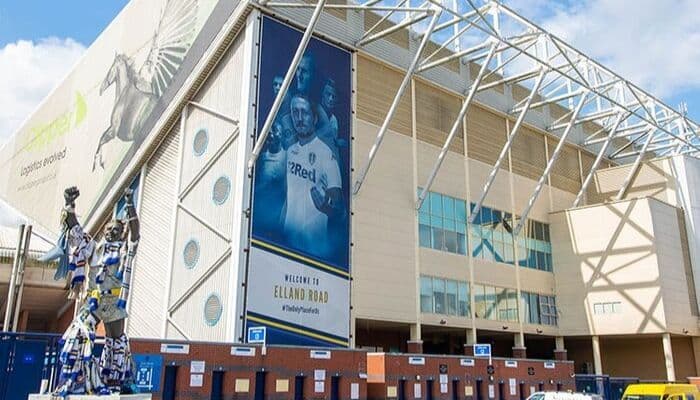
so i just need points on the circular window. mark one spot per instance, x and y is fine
(201, 140)
(212, 310)
(190, 254)
(221, 190)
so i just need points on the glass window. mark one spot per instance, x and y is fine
(607, 308)
(463, 305)
(616, 307)
(436, 204)
(490, 301)
(460, 210)
(451, 297)
(448, 207)
(438, 238)
(534, 309)
(512, 305)
(424, 235)
(451, 241)
(426, 294)
(439, 295)
(479, 301)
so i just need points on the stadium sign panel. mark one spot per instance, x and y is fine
(299, 266)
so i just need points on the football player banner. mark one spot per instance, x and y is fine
(299, 261)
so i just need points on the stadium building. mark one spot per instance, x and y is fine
(386, 175)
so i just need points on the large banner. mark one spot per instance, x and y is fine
(299, 270)
(88, 129)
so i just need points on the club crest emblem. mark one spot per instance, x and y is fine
(312, 158)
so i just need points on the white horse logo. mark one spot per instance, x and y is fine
(136, 92)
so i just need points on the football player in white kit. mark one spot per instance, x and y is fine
(314, 184)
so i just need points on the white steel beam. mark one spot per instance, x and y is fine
(599, 158)
(395, 103)
(395, 28)
(509, 143)
(455, 126)
(285, 85)
(548, 169)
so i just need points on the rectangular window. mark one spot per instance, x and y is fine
(490, 300)
(442, 223)
(426, 294)
(463, 303)
(479, 301)
(451, 298)
(439, 295)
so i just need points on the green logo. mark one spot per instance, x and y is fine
(43, 135)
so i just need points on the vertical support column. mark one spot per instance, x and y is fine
(20, 276)
(597, 363)
(415, 344)
(559, 349)
(519, 349)
(470, 342)
(13, 281)
(668, 357)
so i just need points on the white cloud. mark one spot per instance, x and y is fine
(28, 72)
(655, 44)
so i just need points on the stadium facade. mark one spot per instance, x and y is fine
(437, 175)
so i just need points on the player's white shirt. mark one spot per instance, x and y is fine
(307, 165)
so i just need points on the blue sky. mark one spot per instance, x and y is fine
(82, 20)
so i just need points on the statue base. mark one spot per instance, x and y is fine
(144, 396)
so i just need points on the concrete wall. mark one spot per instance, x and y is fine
(631, 255)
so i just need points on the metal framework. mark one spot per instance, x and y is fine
(509, 49)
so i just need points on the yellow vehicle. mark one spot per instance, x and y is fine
(661, 391)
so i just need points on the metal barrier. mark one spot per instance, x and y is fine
(611, 388)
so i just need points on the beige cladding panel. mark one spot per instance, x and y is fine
(674, 265)
(384, 223)
(611, 260)
(436, 112)
(655, 179)
(451, 178)
(377, 85)
(443, 264)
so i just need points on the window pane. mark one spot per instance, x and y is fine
(546, 233)
(540, 261)
(448, 207)
(436, 222)
(502, 304)
(460, 210)
(490, 300)
(463, 306)
(534, 309)
(451, 241)
(438, 239)
(426, 294)
(461, 244)
(479, 301)
(461, 227)
(436, 204)
(425, 205)
(424, 219)
(539, 231)
(452, 297)
(449, 224)
(486, 217)
(424, 235)
(439, 295)
(607, 308)
(525, 306)
(616, 307)
(598, 308)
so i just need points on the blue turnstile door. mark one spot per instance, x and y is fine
(24, 368)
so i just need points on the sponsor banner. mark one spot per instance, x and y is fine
(301, 196)
(86, 131)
